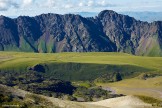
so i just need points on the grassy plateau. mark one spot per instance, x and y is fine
(19, 59)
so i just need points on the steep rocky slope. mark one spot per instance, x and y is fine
(108, 32)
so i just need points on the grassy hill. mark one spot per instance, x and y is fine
(80, 66)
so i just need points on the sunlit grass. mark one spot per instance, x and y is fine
(135, 86)
(14, 59)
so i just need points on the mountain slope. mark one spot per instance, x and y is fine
(130, 35)
(109, 32)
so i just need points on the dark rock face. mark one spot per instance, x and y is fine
(8, 33)
(130, 35)
(108, 32)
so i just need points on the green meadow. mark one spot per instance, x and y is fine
(80, 66)
(19, 59)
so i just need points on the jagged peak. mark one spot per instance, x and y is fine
(4, 19)
(2, 16)
(23, 17)
(102, 13)
(49, 15)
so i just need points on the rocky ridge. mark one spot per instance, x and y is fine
(108, 32)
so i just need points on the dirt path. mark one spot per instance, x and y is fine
(157, 91)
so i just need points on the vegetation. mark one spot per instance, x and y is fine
(150, 100)
(9, 100)
(145, 76)
(100, 67)
(86, 84)
(118, 77)
(33, 101)
(78, 66)
(111, 77)
(84, 72)
(92, 94)
(34, 82)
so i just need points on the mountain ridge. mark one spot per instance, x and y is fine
(108, 32)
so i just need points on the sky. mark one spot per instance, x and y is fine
(36, 7)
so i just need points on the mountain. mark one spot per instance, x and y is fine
(108, 32)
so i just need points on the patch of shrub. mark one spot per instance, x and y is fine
(111, 77)
(90, 94)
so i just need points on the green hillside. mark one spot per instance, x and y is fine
(80, 66)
